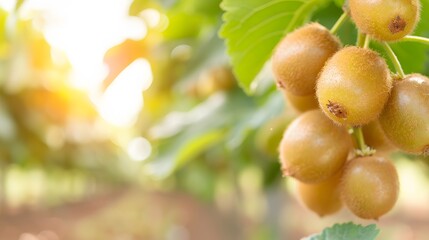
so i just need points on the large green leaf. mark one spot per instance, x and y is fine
(349, 231)
(252, 28)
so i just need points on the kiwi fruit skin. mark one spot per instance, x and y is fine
(354, 86)
(405, 118)
(385, 20)
(322, 198)
(313, 148)
(301, 103)
(376, 138)
(299, 57)
(369, 186)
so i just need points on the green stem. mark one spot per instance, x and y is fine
(367, 41)
(415, 39)
(358, 135)
(361, 39)
(339, 23)
(394, 59)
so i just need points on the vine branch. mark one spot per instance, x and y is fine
(341, 20)
(394, 59)
(361, 39)
(417, 39)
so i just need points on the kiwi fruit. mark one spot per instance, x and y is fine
(385, 20)
(322, 198)
(376, 139)
(301, 103)
(299, 57)
(369, 186)
(405, 118)
(353, 86)
(313, 148)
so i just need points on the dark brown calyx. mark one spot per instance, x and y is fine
(397, 25)
(336, 109)
(280, 84)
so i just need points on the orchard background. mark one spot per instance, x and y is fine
(160, 119)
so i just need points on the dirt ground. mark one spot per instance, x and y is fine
(120, 215)
(133, 214)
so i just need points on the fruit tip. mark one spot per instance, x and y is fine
(336, 109)
(397, 25)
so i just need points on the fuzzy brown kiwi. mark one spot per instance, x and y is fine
(405, 118)
(353, 86)
(313, 148)
(322, 198)
(385, 20)
(369, 186)
(299, 57)
(376, 138)
(301, 103)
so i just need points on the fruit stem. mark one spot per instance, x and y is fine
(394, 59)
(339, 23)
(358, 135)
(363, 150)
(417, 39)
(367, 41)
(361, 39)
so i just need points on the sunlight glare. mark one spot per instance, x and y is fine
(7, 5)
(85, 30)
(139, 149)
(151, 16)
(122, 101)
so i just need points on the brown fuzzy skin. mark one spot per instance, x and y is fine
(322, 198)
(385, 20)
(299, 57)
(369, 186)
(301, 103)
(376, 138)
(313, 148)
(405, 118)
(353, 86)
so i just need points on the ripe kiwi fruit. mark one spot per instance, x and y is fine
(313, 148)
(353, 86)
(322, 198)
(369, 186)
(301, 103)
(385, 20)
(299, 57)
(405, 118)
(375, 137)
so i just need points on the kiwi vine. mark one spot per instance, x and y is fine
(358, 98)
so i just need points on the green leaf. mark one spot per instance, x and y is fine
(252, 28)
(349, 231)
(19, 4)
(198, 145)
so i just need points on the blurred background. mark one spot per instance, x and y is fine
(122, 120)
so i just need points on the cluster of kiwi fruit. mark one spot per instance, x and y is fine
(354, 111)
